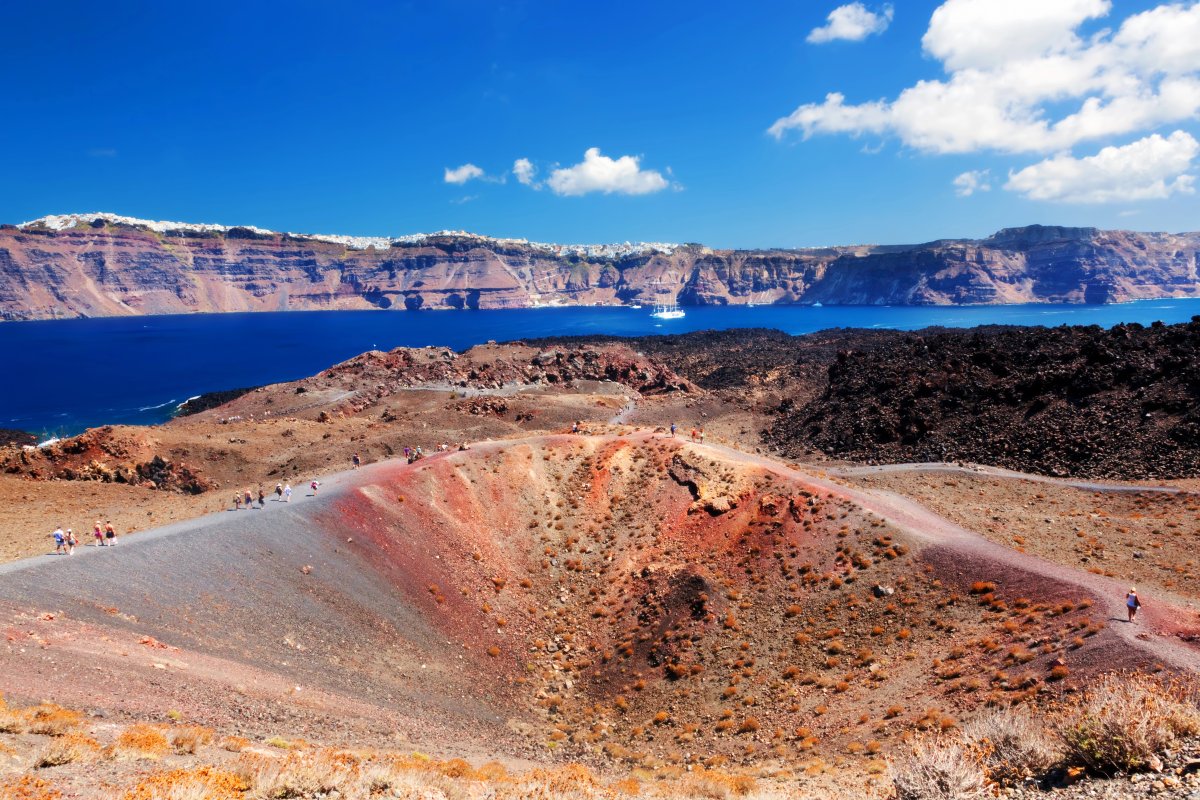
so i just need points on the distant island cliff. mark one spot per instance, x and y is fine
(105, 265)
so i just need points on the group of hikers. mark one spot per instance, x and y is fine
(697, 433)
(283, 493)
(412, 454)
(66, 541)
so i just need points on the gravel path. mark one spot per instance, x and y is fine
(998, 472)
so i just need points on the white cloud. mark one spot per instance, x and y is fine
(985, 33)
(1148, 169)
(460, 175)
(524, 169)
(1020, 78)
(852, 22)
(599, 173)
(968, 183)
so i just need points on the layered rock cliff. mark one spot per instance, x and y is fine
(102, 265)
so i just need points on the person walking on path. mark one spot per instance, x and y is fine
(98, 532)
(575, 426)
(249, 499)
(71, 542)
(314, 486)
(278, 492)
(287, 493)
(1132, 603)
(357, 461)
(672, 430)
(237, 501)
(110, 533)
(702, 436)
(262, 498)
(60, 541)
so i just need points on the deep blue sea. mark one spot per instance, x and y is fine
(66, 375)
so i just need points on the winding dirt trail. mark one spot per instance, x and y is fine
(982, 470)
(622, 416)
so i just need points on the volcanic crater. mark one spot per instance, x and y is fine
(628, 599)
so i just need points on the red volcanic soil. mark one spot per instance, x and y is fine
(631, 599)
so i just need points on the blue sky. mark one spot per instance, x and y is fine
(345, 118)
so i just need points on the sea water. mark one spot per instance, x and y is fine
(62, 376)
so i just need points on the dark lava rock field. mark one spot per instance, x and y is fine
(1078, 401)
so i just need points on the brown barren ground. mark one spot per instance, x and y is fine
(541, 599)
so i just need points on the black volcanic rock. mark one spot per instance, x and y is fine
(19, 438)
(1080, 401)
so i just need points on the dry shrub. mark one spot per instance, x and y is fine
(749, 725)
(203, 783)
(140, 741)
(234, 744)
(298, 774)
(938, 770)
(47, 719)
(1012, 746)
(11, 720)
(186, 739)
(70, 749)
(1126, 721)
(712, 785)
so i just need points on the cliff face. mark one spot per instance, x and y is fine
(105, 269)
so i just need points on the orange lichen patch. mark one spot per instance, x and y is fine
(28, 787)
